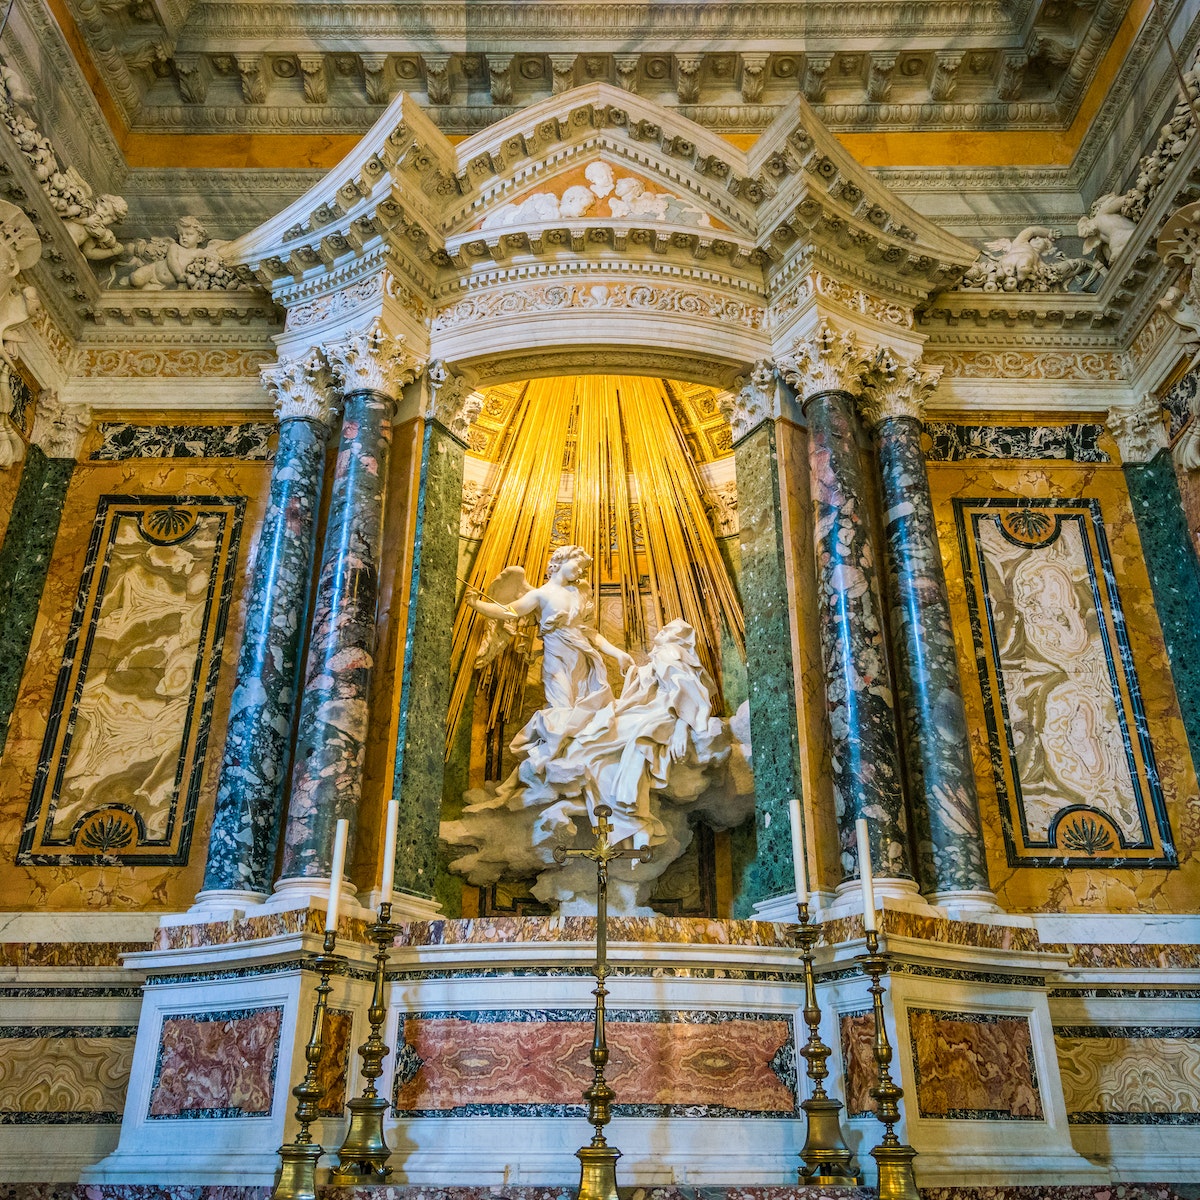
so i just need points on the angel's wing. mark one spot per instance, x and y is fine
(999, 246)
(511, 584)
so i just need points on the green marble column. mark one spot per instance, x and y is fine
(770, 671)
(1174, 572)
(29, 539)
(425, 678)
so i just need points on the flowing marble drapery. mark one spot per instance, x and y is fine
(332, 728)
(826, 371)
(249, 807)
(950, 851)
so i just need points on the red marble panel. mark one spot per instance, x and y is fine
(334, 1064)
(858, 1056)
(726, 1063)
(217, 1064)
(974, 1065)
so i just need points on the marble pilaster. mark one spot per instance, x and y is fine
(1171, 560)
(826, 370)
(948, 835)
(29, 537)
(248, 812)
(769, 666)
(332, 727)
(425, 672)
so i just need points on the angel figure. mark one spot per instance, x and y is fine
(1107, 226)
(573, 651)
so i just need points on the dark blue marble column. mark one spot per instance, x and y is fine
(334, 710)
(826, 371)
(951, 857)
(29, 538)
(1170, 556)
(248, 815)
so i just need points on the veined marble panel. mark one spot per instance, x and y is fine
(1074, 443)
(974, 1066)
(1071, 754)
(120, 440)
(64, 1075)
(1130, 1075)
(534, 1062)
(333, 1067)
(856, 1031)
(119, 772)
(216, 1064)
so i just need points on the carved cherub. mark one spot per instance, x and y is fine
(20, 248)
(170, 259)
(91, 231)
(1106, 227)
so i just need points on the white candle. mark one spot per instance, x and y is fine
(389, 852)
(797, 852)
(864, 872)
(335, 875)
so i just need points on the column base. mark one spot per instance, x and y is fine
(889, 893)
(968, 904)
(407, 906)
(303, 892)
(216, 904)
(783, 909)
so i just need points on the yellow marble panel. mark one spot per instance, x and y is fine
(63, 887)
(1136, 1077)
(1053, 889)
(78, 1075)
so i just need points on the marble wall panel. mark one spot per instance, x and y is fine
(1130, 1075)
(333, 1068)
(974, 1066)
(860, 1073)
(119, 773)
(64, 1075)
(1082, 887)
(216, 1064)
(1071, 753)
(109, 883)
(950, 442)
(534, 1062)
(119, 440)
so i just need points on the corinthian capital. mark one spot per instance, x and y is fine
(300, 389)
(452, 400)
(755, 401)
(1138, 430)
(58, 428)
(372, 361)
(828, 360)
(896, 387)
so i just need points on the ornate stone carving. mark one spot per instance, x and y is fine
(437, 77)
(896, 387)
(300, 389)
(754, 75)
(1075, 365)
(551, 297)
(372, 361)
(316, 78)
(190, 260)
(1029, 262)
(815, 66)
(945, 77)
(721, 501)
(88, 218)
(171, 362)
(500, 76)
(12, 445)
(879, 79)
(452, 400)
(687, 78)
(253, 78)
(562, 71)
(829, 360)
(1186, 450)
(59, 428)
(476, 508)
(20, 248)
(627, 71)
(755, 401)
(1138, 431)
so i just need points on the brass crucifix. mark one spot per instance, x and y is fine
(598, 1174)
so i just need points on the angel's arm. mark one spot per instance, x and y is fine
(623, 660)
(522, 606)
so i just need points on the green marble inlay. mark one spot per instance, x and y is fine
(24, 564)
(425, 688)
(1174, 578)
(773, 722)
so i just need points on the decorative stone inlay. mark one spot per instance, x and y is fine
(59, 428)
(300, 389)
(453, 402)
(1138, 431)
(897, 387)
(829, 360)
(372, 360)
(755, 401)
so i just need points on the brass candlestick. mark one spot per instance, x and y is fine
(364, 1154)
(826, 1156)
(297, 1170)
(598, 1160)
(893, 1157)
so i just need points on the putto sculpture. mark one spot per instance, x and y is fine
(655, 754)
